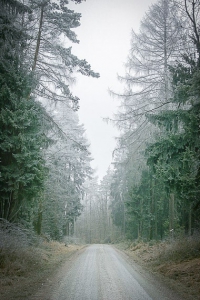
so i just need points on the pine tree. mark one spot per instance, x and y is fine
(68, 161)
(22, 171)
(175, 155)
(50, 52)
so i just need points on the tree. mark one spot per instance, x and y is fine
(95, 223)
(36, 64)
(160, 107)
(22, 171)
(88, 224)
(176, 154)
(51, 61)
(152, 49)
(68, 161)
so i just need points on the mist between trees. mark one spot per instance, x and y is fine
(46, 181)
(44, 154)
(156, 179)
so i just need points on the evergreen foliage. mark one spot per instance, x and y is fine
(51, 60)
(68, 161)
(44, 161)
(21, 136)
(162, 197)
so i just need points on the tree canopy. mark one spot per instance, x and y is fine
(159, 119)
(44, 156)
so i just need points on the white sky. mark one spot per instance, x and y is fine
(104, 35)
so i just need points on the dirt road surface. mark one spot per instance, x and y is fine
(100, 272)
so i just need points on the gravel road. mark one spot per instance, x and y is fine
(101, 272)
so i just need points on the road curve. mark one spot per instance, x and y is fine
(101, 272)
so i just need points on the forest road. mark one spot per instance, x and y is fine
(103, 272)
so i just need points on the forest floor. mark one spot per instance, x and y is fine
(24, 272)
(176, 262)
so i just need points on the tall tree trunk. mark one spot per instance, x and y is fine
(152, 210)
(38, 227)
(38, 43)
(165, 51)
(171, 214)
(38, 38)
(190, 220)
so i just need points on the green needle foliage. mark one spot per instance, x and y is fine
(21, 136)
(162, 194)
(44, 159)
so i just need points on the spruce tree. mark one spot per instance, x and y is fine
(21, 137)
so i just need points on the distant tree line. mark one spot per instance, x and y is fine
(44, 157)
(95, 225)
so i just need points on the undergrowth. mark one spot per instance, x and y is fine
(22, 252)
(179, 249)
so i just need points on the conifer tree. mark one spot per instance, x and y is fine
(175, 155)
(21, 137)
(50, 51)
(68, 161)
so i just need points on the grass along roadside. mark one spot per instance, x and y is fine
(27, 270)
(177, 261)
(26, 263)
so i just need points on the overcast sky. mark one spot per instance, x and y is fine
(104, 35)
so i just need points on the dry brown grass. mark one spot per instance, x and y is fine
(26, 260)
(177, 260)
(178, 250)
